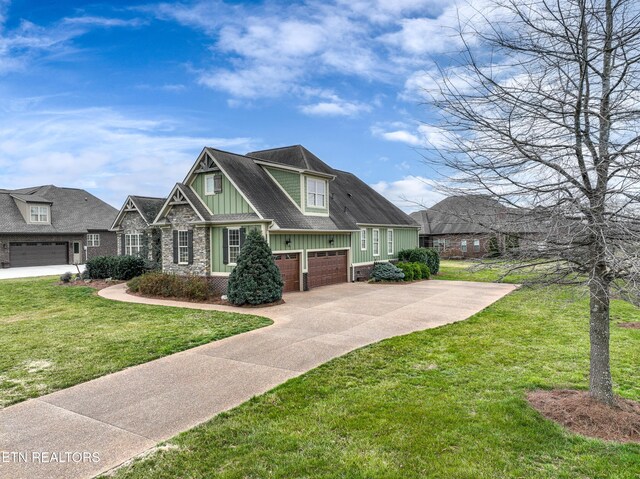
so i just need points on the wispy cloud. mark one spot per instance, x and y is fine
(412, 134)
(104, 150)
(410, 193)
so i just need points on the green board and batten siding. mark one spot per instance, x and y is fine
(403, 238)
(289, 181)
(306, 242)
(217, 258)
(230, 201)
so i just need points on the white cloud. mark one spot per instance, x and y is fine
(106, 151)
(103, 21)
(412, 134)
(332, 105)
(410, 193)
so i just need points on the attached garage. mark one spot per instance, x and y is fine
(289, 264)
(327, 267)
(38, 254)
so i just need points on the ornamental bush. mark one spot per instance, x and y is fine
(408, 270)
(428, 256)
(425, 273)
(386, 272)
(256, 278)
(116, 267)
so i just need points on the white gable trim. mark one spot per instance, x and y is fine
(129, 205)
(176, 197)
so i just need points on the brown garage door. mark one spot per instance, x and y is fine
(38, 254)
(327, 267)
(289, 264)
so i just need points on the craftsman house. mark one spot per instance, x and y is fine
(49, 225)
(324, 226)
(136, 234)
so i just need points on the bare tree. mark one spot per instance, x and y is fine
(543, 114)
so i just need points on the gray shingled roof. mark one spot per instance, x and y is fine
(148, 206)
(462, 214)
(351, 201)
(72, 211)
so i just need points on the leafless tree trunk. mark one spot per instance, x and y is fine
(543, 114)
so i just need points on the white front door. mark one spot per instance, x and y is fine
(77, 257)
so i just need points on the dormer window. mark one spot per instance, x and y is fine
(316, 192)
(39, 214)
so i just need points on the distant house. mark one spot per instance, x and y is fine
(462, 226)
(49, 225)
(136, 234)
(324, 226)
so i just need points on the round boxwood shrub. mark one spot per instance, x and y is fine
(256, 278)
(386, 272)
(424, 270)
(428, 256)
(407, 269)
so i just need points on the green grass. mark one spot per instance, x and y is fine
(52, 337)
(442, 403)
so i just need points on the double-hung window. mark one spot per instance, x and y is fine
(183, 247)
(39, 214)
(132, 244)
(476, 245)
(316, 193)
(389, 241)
(363, 239)
(93, 239)
(234, 245)
(375, 241)
(463, 246)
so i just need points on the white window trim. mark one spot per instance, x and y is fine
(390, 242)
(130, 245)
(375, 245)
(185, 247)
(39, 209)
(229, 245)
(316, 194)
(476, 244)
(363, 235)
(207, 191)
(93, 240)
(465, 244)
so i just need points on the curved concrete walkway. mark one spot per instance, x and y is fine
(119, 416)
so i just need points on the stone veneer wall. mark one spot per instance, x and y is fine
(132, 222)
(182, 217)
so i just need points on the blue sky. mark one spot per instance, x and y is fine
(120, 97)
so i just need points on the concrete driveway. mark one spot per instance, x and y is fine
(124, 414)
(34, 271)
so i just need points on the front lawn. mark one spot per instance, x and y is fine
(442, 403)
(52, 337)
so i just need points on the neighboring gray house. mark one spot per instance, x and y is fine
(466, 226)
(133, 226)
(47, 225)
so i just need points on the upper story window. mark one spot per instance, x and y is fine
(363, 239)
(316, 192)
(39, 214)
(212, 184)
(93, 239)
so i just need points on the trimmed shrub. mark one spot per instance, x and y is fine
(256, 279)
(428, 256)
(66, 277)
(195, 288)
(134, 284)
(161, 284)
(386, 272)
(115, 267)
(424, 270)
(407, 269)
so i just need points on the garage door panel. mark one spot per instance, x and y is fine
(327, 267)
(289, 265)
(38, 253)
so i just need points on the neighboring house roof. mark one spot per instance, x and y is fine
(462, 214)
(351, 201)
(72, 210)
(472, 214)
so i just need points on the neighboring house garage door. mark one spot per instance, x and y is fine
(327, 267)
(289, 265)
(37, 254)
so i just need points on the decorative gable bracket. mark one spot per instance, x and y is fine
(129, 206)
(206, 165)
(178, 198)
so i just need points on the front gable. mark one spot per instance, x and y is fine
(215, 188)
(129, 211)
